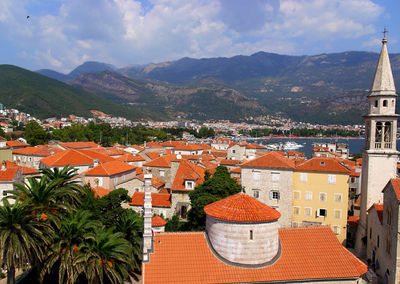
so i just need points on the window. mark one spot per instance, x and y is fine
(323, 163)
(256, 193)
(353, 179)
(332, 179)
(275, 177)
(256, 175)
(322, 212)
(389, 216)
(137, 189)
(296, 195)
(307, 211)
(251, 234)
(233, 151)
(100, 181)
(162, 173)
(377, 241)
(376, 103)
(370, 233)
(385, 103)
(303, 177)
(274, 194)
(323, 196)
(388, 245)
(336, 230)
(308, 195)
(115, 180)
(337, 213)
(189, 184)
(295, 224)
(296, 211)
(338, 197)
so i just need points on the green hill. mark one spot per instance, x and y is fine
(44, 97)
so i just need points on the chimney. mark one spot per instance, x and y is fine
(179, 156)
(147, 216)
(95, 162)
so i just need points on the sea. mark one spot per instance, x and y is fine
(355, 144)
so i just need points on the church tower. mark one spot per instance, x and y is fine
(379, 163)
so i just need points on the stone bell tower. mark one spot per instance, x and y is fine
(379, 162)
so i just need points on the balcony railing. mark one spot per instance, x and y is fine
(388, 145)
(377, 145)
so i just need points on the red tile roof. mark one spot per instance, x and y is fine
(37, 151)
(157, 199)
(353, 220)
(229, 162)
(270, 160)
(237, 170)
(157, 221)
(100, 191)
(396, 186)
(189, 147)
(355, 172)
(23, 170)
(153, 155)
(219, 153)
(254, 146)
(109, 151)
(241, 208)
(295, 153)
(78, 145)
(173, 143)
(163, 161)
(110, 169)
(75, 157)
(379, 211)
(187, 171)
(9, 174)
(128, 157)
(308, 253)
(153, 145)
(322, 164)
(14, 143)
(157, 183)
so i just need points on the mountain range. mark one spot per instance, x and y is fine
(325, 88)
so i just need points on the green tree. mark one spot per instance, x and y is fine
(35, 134)
(74, 229)
(108, 255)
(22, 237)
(214, 188)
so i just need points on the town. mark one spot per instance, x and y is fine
(208, 210)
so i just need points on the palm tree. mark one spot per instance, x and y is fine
(65, 179)
(22, 237)
(108, 255)
(74, 229)
(131, 225)
(43, 197)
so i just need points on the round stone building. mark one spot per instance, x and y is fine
(243, 230)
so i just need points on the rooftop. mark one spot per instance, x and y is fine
(307, 254)
(241, 208)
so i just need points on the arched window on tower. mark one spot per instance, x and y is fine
(388, 135)
(376, 103)
(385, 103)
(378, 135)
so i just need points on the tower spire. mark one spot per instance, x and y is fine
(383, 83)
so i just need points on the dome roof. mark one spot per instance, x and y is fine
(241, 208)
(157, 221)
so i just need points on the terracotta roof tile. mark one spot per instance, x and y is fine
(153, 155)
(295, 153)
(353, 220)
(396, 186)
(173, 143)
(157, 183)
(14, 143)
(355, 171)
(110, 169)
(78, 145)
(75, 157)
(188, 171)
(157, 199)
(157, 221)
(270, 160)
(189, 147)
(37, 151)
(323, 164)
(9, 174)
(229, 162)
(100, 191)
(237, 170)
(307, 253)
(379, 211)
(254, 146)
(109, 151)
(241, 208)
(128, 157)
(153, 145)
(23, 170)
(163, 161)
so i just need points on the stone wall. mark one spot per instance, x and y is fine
(243, 243)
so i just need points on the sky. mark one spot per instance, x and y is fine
(62, 34)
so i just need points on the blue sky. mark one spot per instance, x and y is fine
(61, 34)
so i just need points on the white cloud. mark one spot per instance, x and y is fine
(123, 32)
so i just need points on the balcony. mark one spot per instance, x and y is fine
(378, 145)
(388, 145)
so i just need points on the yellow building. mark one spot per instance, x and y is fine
(320, 195)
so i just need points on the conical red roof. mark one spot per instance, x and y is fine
(241, 208)
(157, 221)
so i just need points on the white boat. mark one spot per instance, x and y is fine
(290, 145)
(272, 147)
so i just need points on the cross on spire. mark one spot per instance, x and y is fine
(385, 31)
